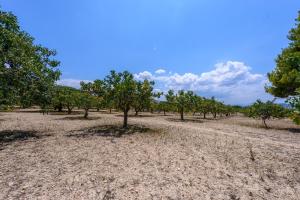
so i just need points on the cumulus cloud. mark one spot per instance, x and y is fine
(71, 82)
(233, 82)
(160, 71)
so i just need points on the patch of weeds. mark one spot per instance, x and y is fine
(234, 197)
(108, 195)
(252, 155)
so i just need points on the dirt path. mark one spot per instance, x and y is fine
(173, 160)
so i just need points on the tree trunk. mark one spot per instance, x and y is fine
(164, 112)
(204, 115)
(69, 110)
(136, 113)
(109, 110)
(181, 115)
(265, 124)
(86, 113)
(60, 107)
(215, 115)
(125, 118)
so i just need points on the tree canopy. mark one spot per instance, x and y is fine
(285, 79)
(266, 111)
(27, 71)
(122, 89)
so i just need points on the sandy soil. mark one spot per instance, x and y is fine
(66, 157)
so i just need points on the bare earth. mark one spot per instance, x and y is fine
(66, 157)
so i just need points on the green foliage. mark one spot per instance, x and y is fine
(65, 97)
(27, 71)
(96, 89)
(295, 103)
(163, 106)
(285, 78)
(266, 111)
(203, 106)
(143, 95)
(182, 101)
(121, 88)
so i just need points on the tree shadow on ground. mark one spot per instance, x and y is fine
(185, 120)
(27, 111)
(292, 130)
(110, 131)
(51, 112)
(9, 136)
(65, 113)
(136, 116)
(78, 118)
(211, 118)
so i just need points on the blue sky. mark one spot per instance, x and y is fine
(222, 47)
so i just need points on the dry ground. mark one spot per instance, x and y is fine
(66, 157)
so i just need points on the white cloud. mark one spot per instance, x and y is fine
(233, 82)
(71, 82)
(160, 71)
(143, 75)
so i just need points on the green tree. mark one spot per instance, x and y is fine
(182, 101)
(214, 107)
(163, 106)
(85, 101)
(87, 98)
(122, 88)
(143, 95)
(266, 111)
(27, 71)
(65, 97)
(204, 107)
(285, 79)
(97, 89)
(295, 104)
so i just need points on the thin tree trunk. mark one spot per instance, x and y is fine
(181, 115)
(164, 113)
(86, 113)
(69, 110)
(204, 115)
(264, 122)
(125, 119)
(109, 110)
(136, 113)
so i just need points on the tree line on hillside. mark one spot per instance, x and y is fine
(28, 75)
